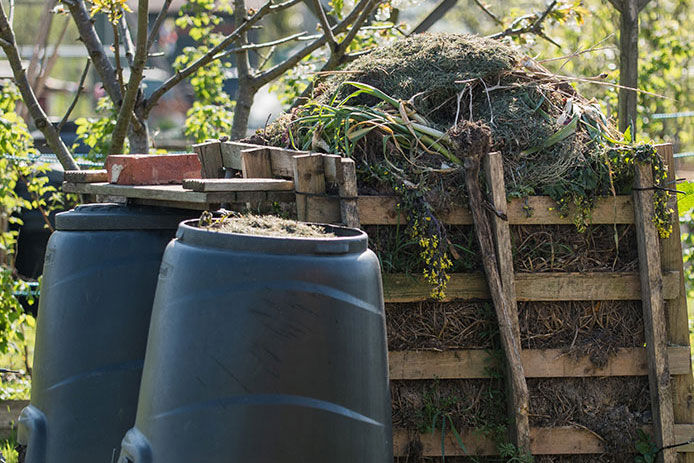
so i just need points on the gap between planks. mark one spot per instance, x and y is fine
(537, 363)
(532, 286)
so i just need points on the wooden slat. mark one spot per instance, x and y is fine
(9, 412)
(282, 164)
(347, 180)
(330, 165)
(210, 155)
(676, 311)
(564, 440)
(660, 387)
(238, 184)
(381, 210)
(537, 363)
(231, 153)
(595, 286)
(86, 176)
(163, 192)
(309, 181)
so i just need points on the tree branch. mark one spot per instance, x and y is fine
(127, 39)
(95, 48)
(80, 88)
(212, 54)
(488, 12)
(116, 52)
(258, 46)
(355, 18)
(157, 24)
(534, 28)
(436, 14)
(41, 121)
(131, 93)
(40, 82)
(323, 19)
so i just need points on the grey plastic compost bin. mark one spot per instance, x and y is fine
(265, 350)
(99, 281)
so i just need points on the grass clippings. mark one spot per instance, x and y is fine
(268, 225)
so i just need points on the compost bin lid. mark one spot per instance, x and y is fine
(110, 216)
(346, 241)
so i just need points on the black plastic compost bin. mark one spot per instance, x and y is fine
(99, 280)
(265, 350)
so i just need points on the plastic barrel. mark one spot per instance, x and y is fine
(265, 350)
(98, 285)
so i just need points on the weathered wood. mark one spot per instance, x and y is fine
(510, 340)
(534, 210)
(330, 166)
(347, 180)
(210, 155)
(163, 192)
(282, 165)
(537, 363)
(653, 312)
(231, 153)
(494, 171)
(676, 309)
(309, 180)
(595, 286)
(9, 412)
(238, 184)
(255, 163)
(281, 159)
(562, 440)
(86, 176)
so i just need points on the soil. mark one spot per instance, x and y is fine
(268, 225)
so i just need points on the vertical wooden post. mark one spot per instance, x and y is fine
(309, 180)
(654, 313)
(255, 163)
(518, 403)
(676, 309)
(347, 181)
(210, 155)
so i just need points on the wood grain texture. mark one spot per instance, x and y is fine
(238, 184)
(537, 363)
(653, 304)
(596, 286)
(210, 155)
(255, 163)
(309, 181)
(518, 403)
(86, 176)
(347, 181)
(676, 311)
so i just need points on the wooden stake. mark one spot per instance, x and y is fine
(347, 181)
(494, 169)
(676, 309)
(309, 180)
(508, 324)
(654, 313)
(210, 155)
(255, 163)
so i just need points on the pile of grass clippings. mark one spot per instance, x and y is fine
(264, 225)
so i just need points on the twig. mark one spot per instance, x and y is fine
(80, 88)
(534, 28)
(257, 46)
(267, 8)
(488, 12)
(116, 52)
(323, 19)
(127, 39)
(157, 24)
(40, 84)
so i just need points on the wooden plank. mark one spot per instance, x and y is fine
(282, 164)
(347, 181)
(210, 155)
(653, 304)
(676, 311)
(85, 176)
(595, 286)
(238, 184)
(231, 153)
(537, 363)
(534, 210)
(309, 181)
(9, 413)
(330, 165)
(562, 440)
(174, 193)
(255, 163)
(517, 397)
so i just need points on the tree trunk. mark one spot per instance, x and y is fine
(139, 136)
(246, 90)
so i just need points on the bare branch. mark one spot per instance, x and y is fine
(356, 18)
(488, 12)
(323, 19)
(210, 56)
(258, 46)
(126, 109)
(534, 28)
(41, 121)
(95, 48)
(80, 89)
(12, 13)
(436, 14)
(157, 24)
(116, 52)
(127, 39)
(40, 83)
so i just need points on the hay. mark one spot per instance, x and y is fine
(267, 225)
